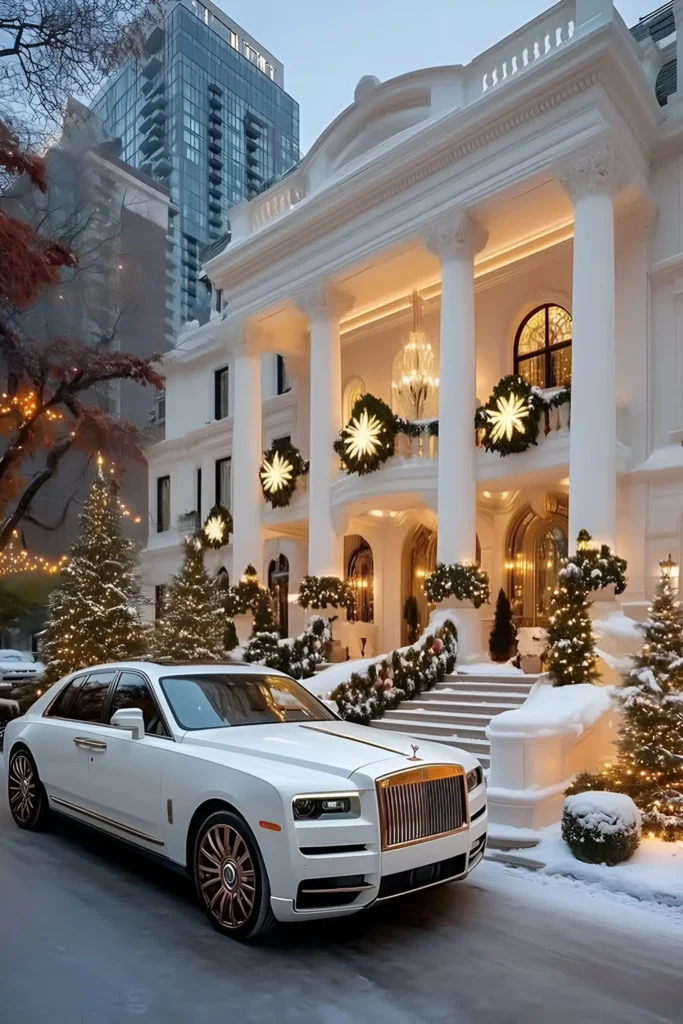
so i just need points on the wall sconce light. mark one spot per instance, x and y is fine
(669, 568)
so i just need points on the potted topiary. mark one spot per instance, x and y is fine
(601, 828)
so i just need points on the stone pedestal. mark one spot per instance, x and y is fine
(467, 620)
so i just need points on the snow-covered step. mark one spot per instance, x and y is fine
(439, 709)
(428, 724)
(520, 678)
(493, 705)
(483, 686)
(487, 696)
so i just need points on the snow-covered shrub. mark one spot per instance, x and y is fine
(298, 657)
(601, 828)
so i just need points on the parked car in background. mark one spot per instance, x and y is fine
(17, 667)
(276, 808)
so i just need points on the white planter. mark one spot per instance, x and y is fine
(244, 625)
(467, 619)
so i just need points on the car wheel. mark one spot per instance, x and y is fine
(27, 799)
(231, 878)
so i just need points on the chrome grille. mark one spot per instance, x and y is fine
(421, 804)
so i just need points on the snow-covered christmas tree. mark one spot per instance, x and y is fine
(649, 765)
(94, 612)
(571, 642)
(193, 624)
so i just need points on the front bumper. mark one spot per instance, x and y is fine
(340, 884)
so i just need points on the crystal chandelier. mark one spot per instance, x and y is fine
(415, 381)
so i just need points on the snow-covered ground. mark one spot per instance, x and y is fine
(654, 873)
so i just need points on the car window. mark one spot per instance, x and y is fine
(215, 700)
(132, 691)
(60, 705)
(88, 703)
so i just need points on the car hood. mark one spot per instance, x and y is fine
(338, 748)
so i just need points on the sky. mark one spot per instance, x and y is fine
(326, 46)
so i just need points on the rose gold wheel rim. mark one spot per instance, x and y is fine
(227, 878)
(22, 788)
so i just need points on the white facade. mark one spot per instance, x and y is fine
(544, 172)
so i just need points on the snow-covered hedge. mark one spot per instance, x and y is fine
(601, 828)
(399, 676)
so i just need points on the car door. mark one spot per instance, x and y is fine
(68, 738)
(127, 778)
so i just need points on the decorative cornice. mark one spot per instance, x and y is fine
(592, 171)
(457, 234)
(321, 298)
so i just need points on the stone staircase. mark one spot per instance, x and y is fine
(457, 711)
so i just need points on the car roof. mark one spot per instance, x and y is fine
(176, 667)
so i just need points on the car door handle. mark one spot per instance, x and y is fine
(87, 744)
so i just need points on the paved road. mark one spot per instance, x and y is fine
(94, 935)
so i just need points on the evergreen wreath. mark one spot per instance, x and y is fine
(600, 566)
(510, 419)
(367, 440)
(402, 675)
(320, 591)
(282, 465)
(217, 528)
(463, 580)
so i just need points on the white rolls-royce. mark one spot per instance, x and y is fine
(278, 809)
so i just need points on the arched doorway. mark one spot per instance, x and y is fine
(535, 549)
(360, 572)
(278, 584)
(418, 560)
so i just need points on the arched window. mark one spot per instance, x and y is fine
(354, 389)
(360, 573)
(543, 347)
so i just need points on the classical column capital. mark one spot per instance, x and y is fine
(457, 233)
(591, 171)
(321, 297)
(243, 337)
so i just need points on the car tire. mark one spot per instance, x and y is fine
(231, 879)
(27, 797)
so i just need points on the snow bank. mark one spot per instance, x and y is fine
(491, 668)
(553, 710)
(654, 872)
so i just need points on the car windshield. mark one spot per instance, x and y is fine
(218, 699)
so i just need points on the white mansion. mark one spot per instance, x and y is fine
(522, 215)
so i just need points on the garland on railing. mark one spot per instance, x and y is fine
(511, 417)
(415, 428)
(217, 528)
(463, 580)
(322, 591)
(402, 675)
(298, 657)
(282, 465)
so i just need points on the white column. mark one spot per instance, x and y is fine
(456, 241)
(247, 452)
(590, 180)
(324, 305)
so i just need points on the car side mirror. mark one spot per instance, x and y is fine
(130, 718)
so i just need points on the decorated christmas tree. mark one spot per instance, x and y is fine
(193, 625)
(571, 642)
(503, 634)
(649, 764)
(93, 613)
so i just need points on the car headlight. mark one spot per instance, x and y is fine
(474, 779)
(326, 805)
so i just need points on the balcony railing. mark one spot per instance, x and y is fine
(552, 420)
(424, 445)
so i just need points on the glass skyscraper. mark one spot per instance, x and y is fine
(205, 113)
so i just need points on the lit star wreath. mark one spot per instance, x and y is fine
(217, 527)
(510, 418)
(281, 467)
(367, 440)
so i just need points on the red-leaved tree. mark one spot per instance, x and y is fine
(51, 408)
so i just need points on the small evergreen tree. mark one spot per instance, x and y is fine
(503, 634)
(570, 653)
(649, 764)
(94, 612)
(193, 625)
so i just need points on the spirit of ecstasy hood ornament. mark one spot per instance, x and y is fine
(415, 749)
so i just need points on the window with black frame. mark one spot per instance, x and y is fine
(543, 347)
(163, 504)
(221, 393)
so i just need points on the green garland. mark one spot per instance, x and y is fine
(217, 528)
(322, 591)
(402, 675)
(600, 567)
(298, 657)
(462, 580)
(282, 465)
(367, 440)
(511, 417)
(249, 596)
